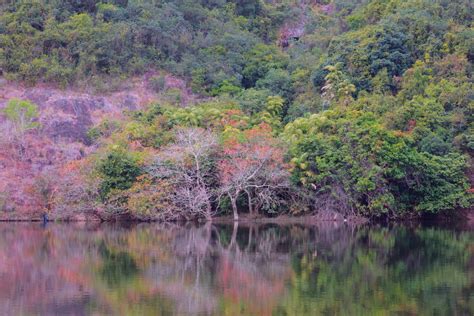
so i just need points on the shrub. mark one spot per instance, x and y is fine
(118, 171)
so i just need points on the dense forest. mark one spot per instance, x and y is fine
(298, 107)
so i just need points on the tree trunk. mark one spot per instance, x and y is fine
(249, 197)
(208, 208)
(208, 217)
(233, 201)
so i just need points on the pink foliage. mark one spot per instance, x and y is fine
(254, 164)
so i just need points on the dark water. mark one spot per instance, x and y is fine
(153, 269)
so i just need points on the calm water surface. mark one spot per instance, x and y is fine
(154, 269)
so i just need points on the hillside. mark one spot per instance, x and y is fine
(66, 117)
(165, 110)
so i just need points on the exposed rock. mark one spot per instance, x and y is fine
(292, 31)
(129, 102)
(38, 96)
(65, 118)
(71, 130)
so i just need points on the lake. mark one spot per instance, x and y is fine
(171, 269)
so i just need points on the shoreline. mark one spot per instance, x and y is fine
(217, 220)
(464, 219)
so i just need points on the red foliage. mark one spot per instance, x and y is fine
(234, 119)
(411, 125)
(258, 150)
(253, 163)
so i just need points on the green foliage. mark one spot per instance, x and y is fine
(366, 52)
(272, 113)
(66, 41)
(226, 88)
(205, 115)
(337, 86)
(253, 100)
(22, 113)
(415, 80)
(259, 61)
(104, 129)
(118, 170)
(278, 82)
(350, 157)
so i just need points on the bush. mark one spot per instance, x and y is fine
(118, 171)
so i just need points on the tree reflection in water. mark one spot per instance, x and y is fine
(247, 269)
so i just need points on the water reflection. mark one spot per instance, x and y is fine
(153, 269)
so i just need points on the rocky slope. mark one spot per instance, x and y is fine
(65, 118)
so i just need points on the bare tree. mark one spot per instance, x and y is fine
(188, 164)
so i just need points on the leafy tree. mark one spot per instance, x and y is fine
(272, 113)
(415, 80)
(253, 101)
(23, 116)
(337, 87)
(278, 81)
(366, 52)
(118, 171)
